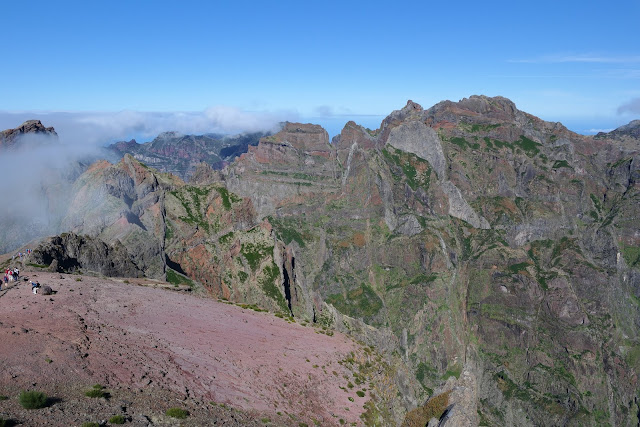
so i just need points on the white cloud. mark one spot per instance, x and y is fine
(631, 107)
(99, 128)
(40, 170)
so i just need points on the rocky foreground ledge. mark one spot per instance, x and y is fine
(153, 349)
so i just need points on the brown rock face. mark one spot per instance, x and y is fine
(10, 137)
(296, 162)
(70, 252)
(305, 137)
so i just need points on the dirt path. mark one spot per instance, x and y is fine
(140, 340)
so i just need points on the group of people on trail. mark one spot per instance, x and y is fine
(10, 275)
(21, 254)
(13, 274)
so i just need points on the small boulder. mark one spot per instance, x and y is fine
(46, 290)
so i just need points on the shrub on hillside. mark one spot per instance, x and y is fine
(434, 408)
(97, 391)
(33, 399)
(177, 413)
(117, 419)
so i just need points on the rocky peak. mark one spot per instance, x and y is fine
(487, 105)
(168, 135)
(35, 126)
(306, 137)
(412, 106)
(10, 137)
(354, 133)
(631, 129)
(476, 108)
(411, 111)
(126, 146)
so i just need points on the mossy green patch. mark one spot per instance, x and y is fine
(269, 282)
(510, 389)
(289, 230)
(168, 231)
(596, 202)
(423, 279)
(361, 302)
(242, 276)
(529, 146)
(254, 253)
(192, 199)
(564, 244)
(631, 254)
(519, 268)
(620, 162)
(226, 238)
(227, 197)
(30, 264)
(176, 278)
(177, 413)
(479, 127)
(425, 372)
(561, 164)
(416, 170)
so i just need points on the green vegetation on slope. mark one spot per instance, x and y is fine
(417, 171)
(360, 302)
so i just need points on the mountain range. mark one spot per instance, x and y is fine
(490, 257)
(179, 154)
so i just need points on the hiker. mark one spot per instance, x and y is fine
(34, 287)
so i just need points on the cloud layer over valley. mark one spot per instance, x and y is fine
(38, 172)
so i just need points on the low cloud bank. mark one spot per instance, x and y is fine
(38, 172)
(100, 128)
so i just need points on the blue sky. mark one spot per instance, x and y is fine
(328, 62)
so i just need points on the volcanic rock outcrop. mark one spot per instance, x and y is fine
(70, 253)
(10, 137)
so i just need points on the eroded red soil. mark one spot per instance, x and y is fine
(140, 338)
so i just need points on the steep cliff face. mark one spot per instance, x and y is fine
(123, 202)
(290, 167)
(471, 241)
(171, 229)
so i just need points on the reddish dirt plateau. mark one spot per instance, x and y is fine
(154, 348)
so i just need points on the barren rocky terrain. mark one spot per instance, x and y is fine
(154, 348)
